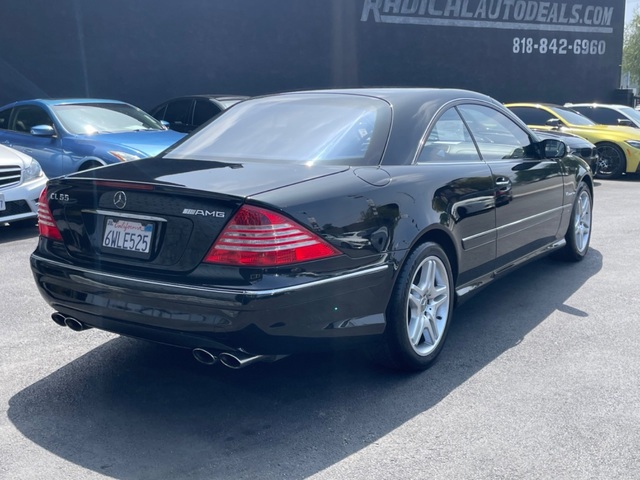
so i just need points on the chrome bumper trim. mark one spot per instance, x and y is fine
(225, 291)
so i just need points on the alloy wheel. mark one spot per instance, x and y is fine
(428, 305)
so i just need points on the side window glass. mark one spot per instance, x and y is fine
(532, 116)
(204, 111)
(497, 136)
(448, 140)
(604, 116)
(178, 112)
(4, 118)
(158, 113)
(29, 116)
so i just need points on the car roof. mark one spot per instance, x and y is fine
(408, 98)
(597, 105)
(533, 104)
(398, 92)
(207, 96)
(63, 101)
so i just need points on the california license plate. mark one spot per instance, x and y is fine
(128, 235)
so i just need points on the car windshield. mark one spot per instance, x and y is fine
(340, 129)
(91, 118)
(631, 113)
(571, 116)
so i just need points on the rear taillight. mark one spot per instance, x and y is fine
(257, 237)
(46, 223)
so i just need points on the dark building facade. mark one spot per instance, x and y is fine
(144, 51)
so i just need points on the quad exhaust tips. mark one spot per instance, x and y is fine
(204, 356)
(65, 321)
(235, 360)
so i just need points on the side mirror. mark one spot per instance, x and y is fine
(165, 124)
(43, 131)
(553, 122)
(625, 122)
(553, 148)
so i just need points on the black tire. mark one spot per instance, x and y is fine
(612, 162)
(578, 234)
(419, 311)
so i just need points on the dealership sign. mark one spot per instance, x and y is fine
(503, 14)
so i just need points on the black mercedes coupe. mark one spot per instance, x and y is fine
(309, 220)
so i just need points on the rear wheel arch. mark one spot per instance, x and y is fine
(445, 241)
(420, 308)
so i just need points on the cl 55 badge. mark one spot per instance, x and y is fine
(203, 213)
(60, 197)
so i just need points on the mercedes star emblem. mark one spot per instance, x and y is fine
(120, 200)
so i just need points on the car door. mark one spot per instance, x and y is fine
(465, 197)
(528, 189)
(46, 150)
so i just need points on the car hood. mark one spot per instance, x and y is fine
(9, 156)
(568, 138)
(242, 179)
(147, 142)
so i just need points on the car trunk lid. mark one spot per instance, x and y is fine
(159, 214)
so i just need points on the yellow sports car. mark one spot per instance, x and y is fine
(618, 147)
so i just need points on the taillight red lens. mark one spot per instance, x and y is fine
(257, 237)
(46, 224)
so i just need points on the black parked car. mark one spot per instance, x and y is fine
(232, 243)
(185, 114)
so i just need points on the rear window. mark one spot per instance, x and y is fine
(338, 129)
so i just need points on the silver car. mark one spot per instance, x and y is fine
(604, 114)
(21, 182)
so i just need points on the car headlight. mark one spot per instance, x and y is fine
(633, 143)
(32, 171)
(124, 157)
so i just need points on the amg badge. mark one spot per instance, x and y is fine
(203, 213)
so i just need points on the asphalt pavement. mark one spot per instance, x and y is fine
(539, 379)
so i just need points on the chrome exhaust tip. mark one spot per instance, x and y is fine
(204, 356)
(75, 324)
(58, 318)
(239, 359)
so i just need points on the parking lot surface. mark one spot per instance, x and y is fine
(539, 379)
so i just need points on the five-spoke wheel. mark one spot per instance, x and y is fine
(420, 310)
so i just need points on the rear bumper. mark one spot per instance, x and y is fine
(347, 307)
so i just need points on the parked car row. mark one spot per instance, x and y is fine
(50, 138)
(617, 143)
(70, 135)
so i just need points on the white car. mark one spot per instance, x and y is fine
(608, 114)
(21, 182)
